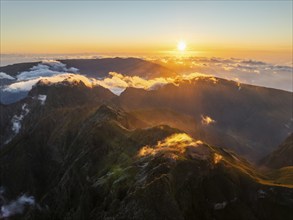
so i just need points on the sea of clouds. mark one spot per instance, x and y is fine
(245, 71)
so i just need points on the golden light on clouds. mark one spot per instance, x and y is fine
(206, 120)
(217, 158)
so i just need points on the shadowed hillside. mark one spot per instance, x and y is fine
(251, 119)
(89, 160)
(282, 156)
(118, 177)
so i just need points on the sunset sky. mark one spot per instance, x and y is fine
(220, 28)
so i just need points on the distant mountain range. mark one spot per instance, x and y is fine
(101, 67)
(94, 68)
(180, 151)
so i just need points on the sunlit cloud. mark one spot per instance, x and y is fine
(51, 71)
(173, 146)
(247, 71)
(206, 120)
(217, 158)
(174, 143)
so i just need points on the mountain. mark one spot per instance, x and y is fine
(282, 156)
(125, 66)
(17, 78)
(98, 68)
(70, 150)
(45, 97)
(249, 119)
(100, 162)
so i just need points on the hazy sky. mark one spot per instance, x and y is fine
(220, 27)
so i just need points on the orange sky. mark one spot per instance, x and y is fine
(259, 30)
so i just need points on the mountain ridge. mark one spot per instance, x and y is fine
(117, 171)
(81, 152)
(227, 105)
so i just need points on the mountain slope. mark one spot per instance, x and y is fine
(251, 119)
(282, 156)
(94, 162)
(44, 98)
(72, 151)
(125, 66)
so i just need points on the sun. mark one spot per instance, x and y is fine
(181, 45)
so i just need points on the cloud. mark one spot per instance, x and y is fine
(206, 120)
(180, 145)
(42, 99)
(253, 62)
(16, 122)
(45, 69)
(61, 78)
(172, 146)
(116, 82)
(5, 76)
(217, 158)
(21, 86)
(17, 206)
(282, 68)
(119, 81)
(247, 71)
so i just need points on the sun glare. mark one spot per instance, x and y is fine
(181, 45)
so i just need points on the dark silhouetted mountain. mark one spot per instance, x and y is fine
(101, 67)
(250, 119)
(125, 66)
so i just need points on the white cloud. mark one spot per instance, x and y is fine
(42, 99)
(17, 206)
(5, 76)
(45, 69)
(116, 82)
(21, 86)
(247, 71)
(40, 70)
(64, 77)
(16, 119)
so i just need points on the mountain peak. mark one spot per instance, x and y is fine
(105, 111)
